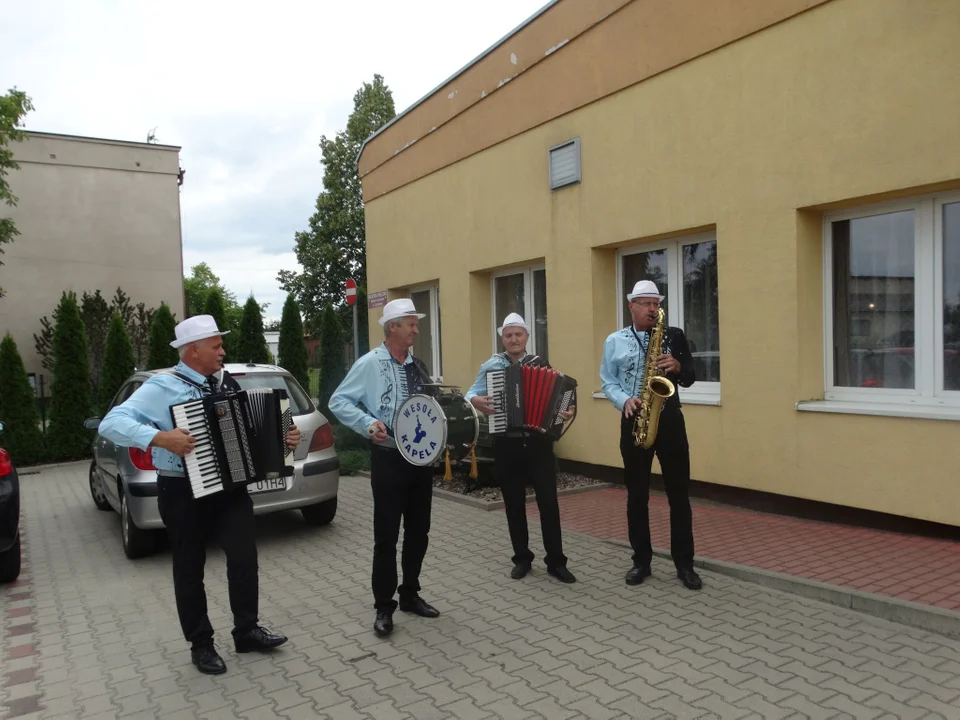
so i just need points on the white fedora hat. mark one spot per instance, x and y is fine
(402, 307)
(198, 327)
(645, 288)
(512, 320)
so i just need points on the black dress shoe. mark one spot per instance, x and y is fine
(520, 570)
(418, 606)
(259, 639)
(383, 625)
(690, 579)
(207, 660)
(635, 575)
(562, 574)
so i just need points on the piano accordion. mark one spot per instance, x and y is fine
(240, 438)
(529, 396)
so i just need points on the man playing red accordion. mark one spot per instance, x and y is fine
(523, 457)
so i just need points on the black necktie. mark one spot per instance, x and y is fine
(212, 383)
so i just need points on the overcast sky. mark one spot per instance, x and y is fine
(245, 88)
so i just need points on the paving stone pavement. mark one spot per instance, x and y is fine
(90, 634)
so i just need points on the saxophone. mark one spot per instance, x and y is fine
(654, 390)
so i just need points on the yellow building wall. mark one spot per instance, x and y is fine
(851, 100)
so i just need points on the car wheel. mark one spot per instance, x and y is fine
(137, 543)
(96, 489)
(10, 563)
(321, 513)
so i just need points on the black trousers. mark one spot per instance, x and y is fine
(520, 461)
(189, 521)
(401, 491)
(673, 452)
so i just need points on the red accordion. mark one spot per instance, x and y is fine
(530, 396)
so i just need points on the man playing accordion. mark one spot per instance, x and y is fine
(144, 421)
(367, 402)
(521, 456)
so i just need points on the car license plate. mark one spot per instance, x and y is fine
(269, 485)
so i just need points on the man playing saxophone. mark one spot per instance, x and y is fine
(625, 374)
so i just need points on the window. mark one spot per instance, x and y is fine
(426, 299)
(565, 164)
(125, 392)
(685, 272)
(892, 303)
(522, 291)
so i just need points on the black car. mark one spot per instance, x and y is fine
(9, 518)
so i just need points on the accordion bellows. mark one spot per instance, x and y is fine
(530, 397)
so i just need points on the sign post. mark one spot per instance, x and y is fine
(352, 300)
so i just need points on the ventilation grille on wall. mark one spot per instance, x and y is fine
(565, 164)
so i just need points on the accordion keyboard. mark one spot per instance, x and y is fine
(497, 389)
(201, 464)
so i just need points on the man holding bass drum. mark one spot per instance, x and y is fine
(367, 401)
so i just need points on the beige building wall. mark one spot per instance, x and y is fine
(847, 102)
(92, 214)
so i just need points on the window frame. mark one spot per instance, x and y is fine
(529, 308)
(702, 392)
(433, 317)
(928, 250)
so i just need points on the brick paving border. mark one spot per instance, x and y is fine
(19, 695)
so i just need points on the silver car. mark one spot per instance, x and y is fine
(124, 479)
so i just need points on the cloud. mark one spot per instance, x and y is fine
(245, 89)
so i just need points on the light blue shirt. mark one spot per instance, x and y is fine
(379, 383)
(621, 367)
(137, 420)
(479, 387)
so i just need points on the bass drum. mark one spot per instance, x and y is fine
(426, 427)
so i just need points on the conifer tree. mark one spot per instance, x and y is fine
(71, 393)
(293, 348)
(332, 360)
(118, 362)
(251, 344)
(162, 331)
(214, 306)
(21, 436)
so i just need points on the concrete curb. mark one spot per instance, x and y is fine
(34, 469)
(925, 617)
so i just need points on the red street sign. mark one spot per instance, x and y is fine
(351, 291)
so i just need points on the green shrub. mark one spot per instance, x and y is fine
(346, 439)
(314, 388)
(21, 437)
(353, 461)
